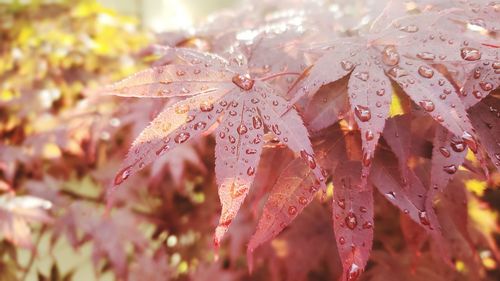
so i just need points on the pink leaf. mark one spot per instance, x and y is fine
(352, 219)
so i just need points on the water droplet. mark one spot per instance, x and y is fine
(181, 137)
(162, 150)
(180, 72)
(351, 221)
(200, 125)
(422, 215)
(426, 56)
(444, 151)
(486, 86)
(409, 28)
(397, 72)
(451, 169)
(292, 210)
(457, 145)
(363, 113)
(276, 129)
(243, 81)
(470, 54)
(242, 129)
(206, 106)
(363, 76)
(251, 151)
(123, 175)
(341, 203)
(347, 65)
(369, 135)
(232, 139)
(197, 71)
(380, 92)
(425, 71)
(390, 56)
(302, 200)
(367, 225)
(251, 171)
(427, 105)
(367, 159)
(311, 162)
(353, 272)
(391, 195)
(470, 141)
(363, 209)
(342, 240)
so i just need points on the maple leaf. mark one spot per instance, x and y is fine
(294, 190)
(409, 196)
(485, 117)
(374, 60)
(352, 219)
(17, 212)
(221, 94)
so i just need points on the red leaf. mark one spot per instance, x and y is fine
(485, 117)
(352, 219)
(293, 191)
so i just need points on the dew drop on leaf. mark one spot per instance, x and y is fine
(470, 141)
(425, 71)
(347, 65)
(292, 210)
(251, 171)
(180, 72)
(341, 203)
(200, 125)
(445, 152)
(390, 56)
(477, 94)
(363, 113)
(380, 92)
(470, 54)
(422, 216)
(342, 240)
(162, 150)
(427, 105)
(457, 145)
(353, 272)
(351, 221)
(243, 81)
(426, 56)
(242, 129)
(391, 195)
(123, 175)
(409, 28)
(276, 129)
(397, 72)
(181, 137)
(250, 151)
(363, 76)
(369, 135)
(302, 200)
(367, 225)
(451, 169)
(308, 158)
(486, 86)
